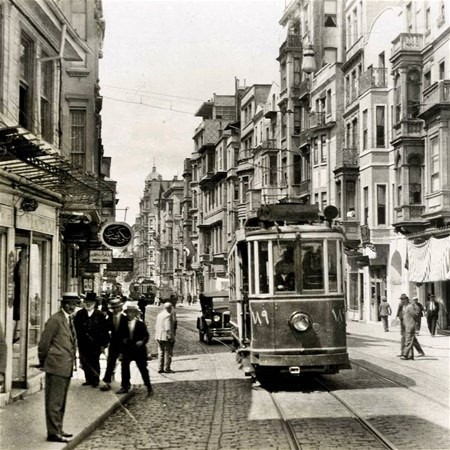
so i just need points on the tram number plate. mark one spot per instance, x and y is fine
(259, 318)
(339, 315)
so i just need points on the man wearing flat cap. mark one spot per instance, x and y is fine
(57, 353)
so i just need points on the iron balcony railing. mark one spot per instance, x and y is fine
(372, 78)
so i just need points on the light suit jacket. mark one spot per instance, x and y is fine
(165, 326)
(410, 317)
(57, 347)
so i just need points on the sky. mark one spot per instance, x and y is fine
(161, 60)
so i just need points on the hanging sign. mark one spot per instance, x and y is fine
(100, 256)
(116, 234)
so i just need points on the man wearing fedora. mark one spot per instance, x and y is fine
(93, 338)
(57, 353)
(406, 313)
(115, 320)
(432, 313)
(133, 347)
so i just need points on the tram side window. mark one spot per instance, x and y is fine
(312, 264)
(263, 250)
(332, 266)
(283, 256)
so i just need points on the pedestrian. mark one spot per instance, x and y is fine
(133, 335)
(189, 299)
(385, 311)
(410, 315)
(165, 329)
(420, 310)
(115, 320)
(432, 313)
(142, 304)
(57, 352)
(404, 300)
(92, 337)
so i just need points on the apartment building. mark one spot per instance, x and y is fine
(55, 190)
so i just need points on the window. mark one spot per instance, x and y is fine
(79, 16)
(355, 25)
(78, 137)
(409, 26)
(365, 130)
(263, 256)
(427, 19)
(297, 169)
(366, 205)
(381, 204)
(413, 93)
(434, 153)
(297, 71)
(323, 148)
(427, 79)
(297, 120)
(333, 252)
(355, 137)
(415, 181)
(330, 20)
(442, 70)
(282, 76)
(46, 99)
(329, 101)
(312, 265)
(283, 125)
(323, 200)
(350, 199)
(284, 266)
(316, 150)
(329, 55)
(398, 99)
(26, 75)
(338, 191)
(380, 126)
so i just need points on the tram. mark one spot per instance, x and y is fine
(287, 306)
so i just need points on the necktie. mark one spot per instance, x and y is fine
(116, 322)
(72, 328)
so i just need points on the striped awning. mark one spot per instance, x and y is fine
(429, 261)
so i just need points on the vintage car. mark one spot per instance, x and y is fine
(214, 321)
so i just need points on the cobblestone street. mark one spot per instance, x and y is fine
(214, 406)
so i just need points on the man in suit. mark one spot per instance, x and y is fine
(92, 337)
(165, 329)
(432, 313)
(133, 335)
(57, 353)
(410, 316)
(115, 320)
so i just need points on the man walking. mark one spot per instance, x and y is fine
(133, 336)
(410, 316)
(165, 327)
(57, 352)
(385, 312)
(432, 313)
(115, 321)
(92, 337)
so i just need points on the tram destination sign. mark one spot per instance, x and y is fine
(100, 256)
(120, 265)
(116, 235)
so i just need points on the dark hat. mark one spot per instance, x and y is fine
(116, 301)
(70, 297)
(90, 297)
(404, 297)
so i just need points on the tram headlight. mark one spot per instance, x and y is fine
(300, 321)
(216, 318)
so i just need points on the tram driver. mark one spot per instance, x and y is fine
(284, 276)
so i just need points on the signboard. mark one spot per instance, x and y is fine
(120, 265)
(116, 234)
(100, 256)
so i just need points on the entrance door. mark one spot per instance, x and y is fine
(378, 289)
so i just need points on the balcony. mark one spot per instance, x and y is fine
(268, 144)
(435, 98)
(350, 157)
(316, 119)
(407, 42)
(372, 79)
(292, 42)
(304, 187)
(351, 230)
(408, 212)
(411, 128)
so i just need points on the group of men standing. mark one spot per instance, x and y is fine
(92, 331)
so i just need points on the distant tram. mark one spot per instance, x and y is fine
(287, 293)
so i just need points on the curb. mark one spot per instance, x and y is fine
(92, 426)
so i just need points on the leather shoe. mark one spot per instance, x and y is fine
(161, 371)
(169, 371)
(105, 387)
(66, 435)
(421, 354)
(122, 390)
(56, 438)
(406, 357)
(149, 391)
(86, 383)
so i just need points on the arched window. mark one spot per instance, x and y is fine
(415, 180)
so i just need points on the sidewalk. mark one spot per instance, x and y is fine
(22, 423)
(371, 347)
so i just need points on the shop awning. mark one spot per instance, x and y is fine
(429, 261)
(23, 155)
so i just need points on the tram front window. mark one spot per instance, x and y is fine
(284, 280)
(312, 264)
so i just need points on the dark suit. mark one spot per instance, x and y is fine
(285, 282)
(132, 352)
(432, 313)
(57, 352)
(113, 326)
(93, 338)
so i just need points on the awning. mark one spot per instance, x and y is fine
(429, 261)
(23, 155)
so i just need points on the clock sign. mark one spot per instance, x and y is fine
(116, 234)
